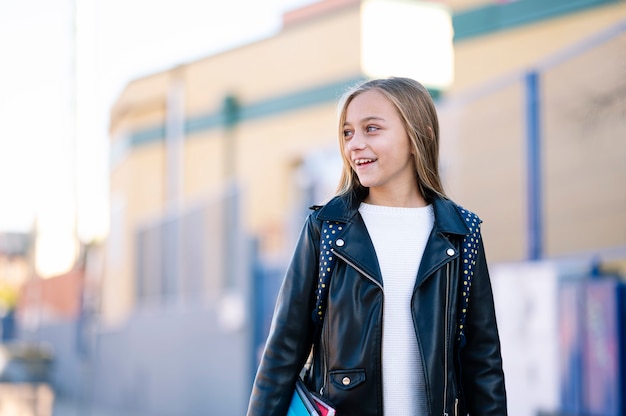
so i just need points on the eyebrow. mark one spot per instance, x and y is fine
(366, 119)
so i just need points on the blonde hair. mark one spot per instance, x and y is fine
(419, 116)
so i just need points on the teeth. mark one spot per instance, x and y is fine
(361, 161)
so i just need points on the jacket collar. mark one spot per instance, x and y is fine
(448, 217)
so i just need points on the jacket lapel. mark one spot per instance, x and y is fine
(439, 249)
(356, 245)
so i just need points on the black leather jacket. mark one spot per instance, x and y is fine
(347, 359)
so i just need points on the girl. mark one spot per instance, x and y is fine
(402, 333)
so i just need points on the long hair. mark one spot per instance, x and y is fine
(419, 116)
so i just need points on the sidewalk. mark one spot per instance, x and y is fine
(64, 407)
(38, 399)
(25, 399)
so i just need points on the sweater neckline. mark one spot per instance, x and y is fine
(382, 209)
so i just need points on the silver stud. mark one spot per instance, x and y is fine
(450, 252)
(345, 381)
(339, 242)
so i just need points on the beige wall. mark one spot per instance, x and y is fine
(483, 165)
(483, 135)
(481, 59)
(137, 184)
(582, 125)
(314, 54)
(203, 167)
(585, 151)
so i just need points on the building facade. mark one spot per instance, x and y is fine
(214, 163)
(249, 118)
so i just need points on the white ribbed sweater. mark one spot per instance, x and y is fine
(399, 236)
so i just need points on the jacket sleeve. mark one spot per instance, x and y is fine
(291, 333)
(481, 360)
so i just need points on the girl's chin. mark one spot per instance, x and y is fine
(367, 183)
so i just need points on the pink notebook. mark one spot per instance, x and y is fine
(324, 408)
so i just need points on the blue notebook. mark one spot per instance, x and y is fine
(297, 407)
(303, 403)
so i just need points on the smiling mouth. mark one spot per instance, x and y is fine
(363, 162)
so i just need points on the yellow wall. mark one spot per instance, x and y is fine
(483, 166)
(585, 150)
(316, 53)
(481, 59)
(305, 56)
(483, 136)
(138, 184)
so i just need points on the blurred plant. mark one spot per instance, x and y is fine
(8, 297)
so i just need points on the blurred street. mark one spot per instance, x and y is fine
(26, 399)
(65, 407)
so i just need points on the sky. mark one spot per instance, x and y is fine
(64, 64)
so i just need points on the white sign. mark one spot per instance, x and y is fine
(407, 38)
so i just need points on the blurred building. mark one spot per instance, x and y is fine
(15, 269)
(259, 121)
(50, 300)
(15, 252)
(214, 162)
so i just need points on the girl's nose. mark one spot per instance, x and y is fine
(356, 142)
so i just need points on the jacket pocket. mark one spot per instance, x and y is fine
(347, 379)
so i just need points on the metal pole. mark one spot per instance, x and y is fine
(231, 119)
(174, 283)
(534, 172)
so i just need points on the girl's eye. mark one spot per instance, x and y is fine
(371, 129)
(347, 134)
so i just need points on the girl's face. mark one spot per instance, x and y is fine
(377, 146)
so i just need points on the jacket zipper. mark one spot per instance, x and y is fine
(446, 341)
(323, 370)
(357, 268)
(446, 338)
(369, 278)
